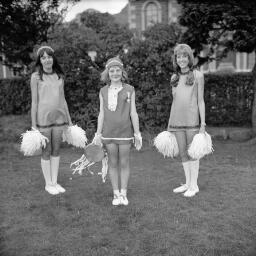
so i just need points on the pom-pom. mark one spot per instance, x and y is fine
(32, 142)
(75, 136)
(201, 145)
(166, 144)
(92, 154)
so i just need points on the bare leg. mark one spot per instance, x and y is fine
(46, 152)
(56, 140)
(182, 144)
(112, 150)
(55, 157)
(46, 164)
(194, 168)
(124, 156)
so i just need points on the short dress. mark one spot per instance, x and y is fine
(51, 110)
(184, 111)
(117, 124)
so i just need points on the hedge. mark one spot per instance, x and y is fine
(228, 99)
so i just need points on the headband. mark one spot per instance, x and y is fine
(114, 62)
(42, 47)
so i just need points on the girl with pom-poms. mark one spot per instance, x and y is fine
(49, 113)
(187, 115)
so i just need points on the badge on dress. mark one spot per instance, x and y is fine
(128, 97)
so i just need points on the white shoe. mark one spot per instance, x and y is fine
(51, 190)
(191, 192)
(181, 189)
(124, 200)
(116, 200)
(60, 188)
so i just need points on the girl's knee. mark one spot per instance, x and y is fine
(46, 154)
(113, 163)
(184, 156)
(55, 152)
(124, 163)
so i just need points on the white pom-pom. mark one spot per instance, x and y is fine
(32, 141)
(201, 145)
(75, 136)
(166, 144)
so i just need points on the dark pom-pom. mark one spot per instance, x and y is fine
(190, 78)
(174, 80)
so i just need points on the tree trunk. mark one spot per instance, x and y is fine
(254, 98)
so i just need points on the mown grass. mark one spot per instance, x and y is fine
(220, 220)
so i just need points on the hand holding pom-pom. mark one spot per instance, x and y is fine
(201, 145)
(97, 139)
(166, 144)
(75, 136)
(138, 141)
(32, 142)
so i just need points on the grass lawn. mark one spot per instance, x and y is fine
(219, 220)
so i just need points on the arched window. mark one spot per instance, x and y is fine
(151, 14)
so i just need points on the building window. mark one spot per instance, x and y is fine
(243, 62)
(151, 14)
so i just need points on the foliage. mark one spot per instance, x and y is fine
(112, 38)
(15, 96)
(150, 59)
(228, 99)
(23, 24)
(224, 26)
(230, 24)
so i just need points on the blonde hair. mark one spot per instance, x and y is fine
(105, 76)
(183, 49)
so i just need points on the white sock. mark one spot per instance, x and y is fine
(187, 167)
(116, 192)
(55, 160)
(123, 191)
(194, 173)
(46, 169)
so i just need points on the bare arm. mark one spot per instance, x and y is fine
(134, 115)
(66, 106)
(201, 104)
(101, 116)
(34, 98)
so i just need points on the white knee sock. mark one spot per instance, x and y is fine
(116, 192)
(194, 173)
(186, 167)
(123, 192)
(46, 168)
(55, 160)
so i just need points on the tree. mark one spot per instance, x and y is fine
(23, 24)
(229, 24)
(112, 37)
(149, 66)
(151, 58)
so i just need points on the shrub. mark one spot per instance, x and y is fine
(228, 99)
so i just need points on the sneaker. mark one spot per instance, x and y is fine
(191, 192)
(181, 189)
(116, 200)
(124, 200)
(60, 188)
(51, 190)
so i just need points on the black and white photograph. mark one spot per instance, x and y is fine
(128, 128)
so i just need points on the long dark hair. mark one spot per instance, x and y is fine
(184, 49)
(56, 68)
